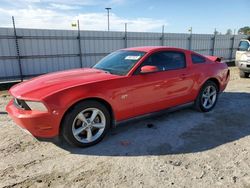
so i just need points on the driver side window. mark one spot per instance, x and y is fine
(167, 60)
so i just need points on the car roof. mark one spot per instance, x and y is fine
(153, 48)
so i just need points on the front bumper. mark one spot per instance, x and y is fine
(39, 124)
(243, 65)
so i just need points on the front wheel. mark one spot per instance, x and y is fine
(86, 124)
(207, 97)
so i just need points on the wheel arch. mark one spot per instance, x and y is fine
(213, 79)
(100, 100)
(197, 99)
(216, 81)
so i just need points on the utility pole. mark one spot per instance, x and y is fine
(108, 9)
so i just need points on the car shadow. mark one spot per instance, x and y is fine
(183, 131)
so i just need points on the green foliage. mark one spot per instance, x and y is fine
(244, 30)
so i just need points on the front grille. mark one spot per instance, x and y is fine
(21, 104)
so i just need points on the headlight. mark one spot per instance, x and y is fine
(244, 57)
(34, 105)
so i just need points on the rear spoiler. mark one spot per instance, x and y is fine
(214, 58)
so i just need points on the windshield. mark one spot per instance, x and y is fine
(119, 62)
(243, 46)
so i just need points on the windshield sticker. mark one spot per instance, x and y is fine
(132, 57)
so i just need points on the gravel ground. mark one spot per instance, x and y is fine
(181, 149)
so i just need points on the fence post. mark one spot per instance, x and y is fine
(126, 37)
(232, 47)
(162, 36)
(190, 41)
(17, 50)
(79, 44)
(214, 40)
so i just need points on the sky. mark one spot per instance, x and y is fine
(177, 16)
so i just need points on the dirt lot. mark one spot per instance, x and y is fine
(182, 149)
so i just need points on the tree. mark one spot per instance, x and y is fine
(244, 30)
(229, 32)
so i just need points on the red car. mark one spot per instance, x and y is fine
(82, 104)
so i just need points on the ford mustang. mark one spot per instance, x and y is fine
(81, 105)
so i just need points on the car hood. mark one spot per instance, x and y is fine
(42, 86)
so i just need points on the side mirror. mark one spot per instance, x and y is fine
(148, 69)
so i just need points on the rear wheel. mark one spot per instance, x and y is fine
(207, 97)
(86, 124)
(244, 74)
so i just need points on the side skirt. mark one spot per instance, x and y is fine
(152, 114)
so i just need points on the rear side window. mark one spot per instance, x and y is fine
(197, 59)
(167, 60)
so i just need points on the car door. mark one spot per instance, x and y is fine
(168, 87)
(177, 78)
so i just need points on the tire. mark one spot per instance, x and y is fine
(244, 74)
(200, 102)
(78, 123)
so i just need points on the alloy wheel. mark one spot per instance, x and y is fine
(88, 125)
(209, 96)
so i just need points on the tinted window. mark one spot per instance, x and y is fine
(243, 46)
(198, 59)
(166, 60)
